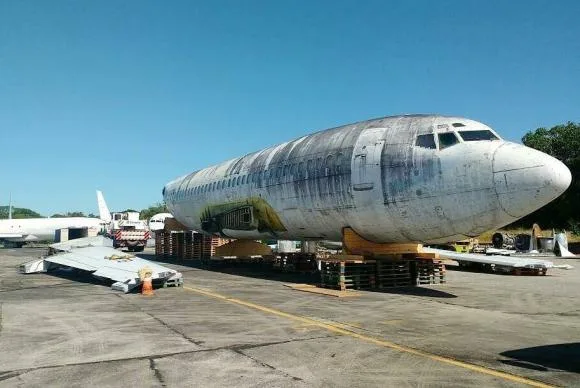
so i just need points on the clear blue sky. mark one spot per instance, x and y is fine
(126, 95)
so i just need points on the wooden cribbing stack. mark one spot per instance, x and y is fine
(176, 241)
(370, 265)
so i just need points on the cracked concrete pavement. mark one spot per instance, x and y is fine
(55, 330)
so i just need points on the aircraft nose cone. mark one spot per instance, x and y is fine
(526, 179)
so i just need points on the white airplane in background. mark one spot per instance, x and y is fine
(157, 222)
(17, 232)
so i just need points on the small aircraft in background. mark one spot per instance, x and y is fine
(17, 232)
(157, 222)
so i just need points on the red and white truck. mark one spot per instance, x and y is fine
(128, 231)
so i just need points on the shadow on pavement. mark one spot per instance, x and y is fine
(565, 357)
(264, 271)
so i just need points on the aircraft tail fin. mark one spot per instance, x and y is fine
(104, 213)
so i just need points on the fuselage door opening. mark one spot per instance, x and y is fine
(366, 165)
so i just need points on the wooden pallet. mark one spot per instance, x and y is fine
(185, 244)
(348, 274)
(296, 262)
(159, 243)
(393, 273)
(430, 272)
(355, 272)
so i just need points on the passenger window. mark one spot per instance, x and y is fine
(447, 140)
(426, 141)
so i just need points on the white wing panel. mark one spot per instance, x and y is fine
(508, 261)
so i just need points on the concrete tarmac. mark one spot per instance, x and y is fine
(227, 329)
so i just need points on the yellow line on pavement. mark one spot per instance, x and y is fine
(391, 345)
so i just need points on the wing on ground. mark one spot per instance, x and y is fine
(96, 255)
(504, 261)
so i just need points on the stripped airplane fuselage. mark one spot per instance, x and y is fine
(420, 178)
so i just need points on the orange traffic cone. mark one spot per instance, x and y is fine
(147, 287)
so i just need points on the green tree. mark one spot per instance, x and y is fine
(68, 214)
(563, 143)
(18, 212)
(159, 207)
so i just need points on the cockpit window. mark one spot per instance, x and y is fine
(447, 139)
(477, 135)
(426, 141)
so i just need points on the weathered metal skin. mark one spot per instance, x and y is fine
(373, 177)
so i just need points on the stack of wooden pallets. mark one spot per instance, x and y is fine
(429, 271)
(393, 273)
(159, 242)
(209, 245)
(197, 246)
(357, 272)
(295, 262)
(188, 248)
(348, 273)
(185, 245)
(178, 242)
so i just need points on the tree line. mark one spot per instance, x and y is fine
(563, 143)
(21, 212)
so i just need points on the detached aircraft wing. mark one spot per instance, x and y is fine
(503, 261)
(97, 256)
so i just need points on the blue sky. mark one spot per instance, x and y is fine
(124, 96)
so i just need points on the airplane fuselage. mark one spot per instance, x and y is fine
(423, 178)
(42, 229)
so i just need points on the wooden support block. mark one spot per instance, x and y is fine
(242, 248)
(427, 255)
(349, 258)
(356, 245)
